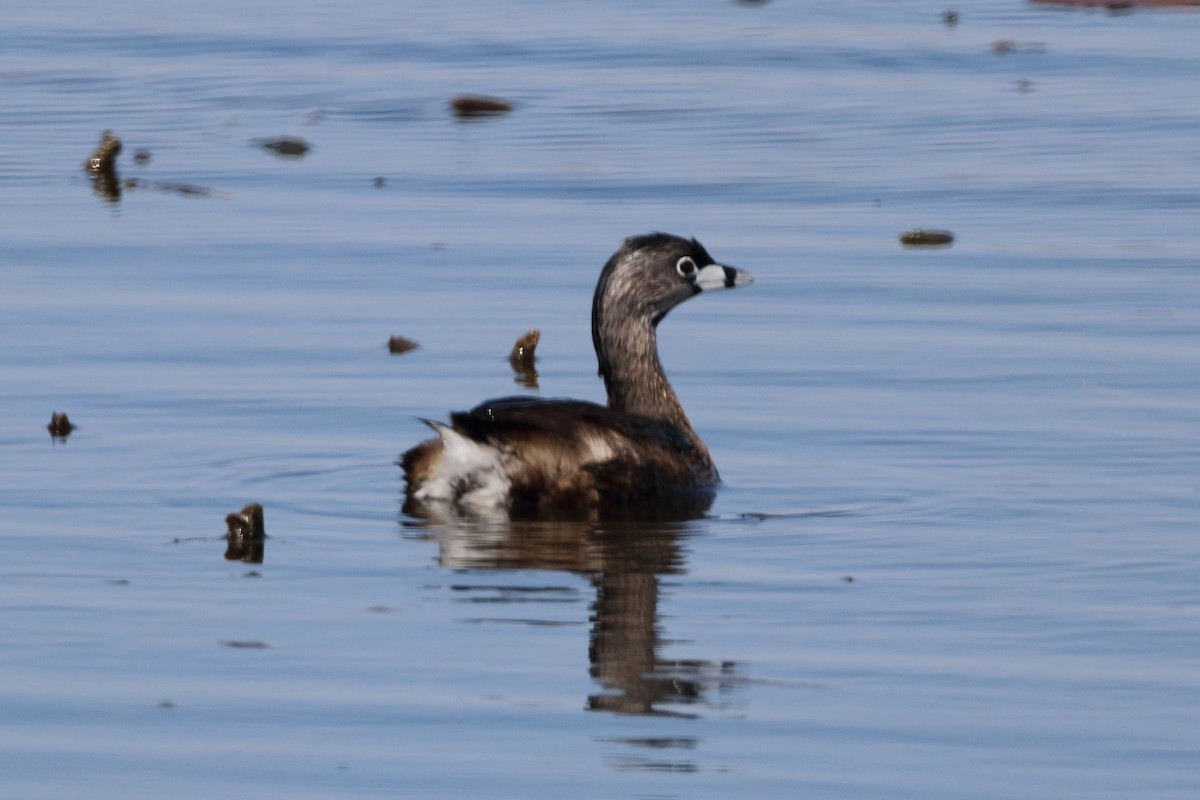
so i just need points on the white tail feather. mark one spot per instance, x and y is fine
(468, 473)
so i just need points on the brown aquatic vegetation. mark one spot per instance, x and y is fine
(246, 535)
(479, 105)
(522, 359)
(398, 345)
(285, 146)
(104, 158)
(60, 426)
(926, 237)
(247, 523)
(102, 167)
(523, 351)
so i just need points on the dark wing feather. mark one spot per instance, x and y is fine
(566, 420)
(565, 451)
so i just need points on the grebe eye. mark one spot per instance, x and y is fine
(686, 267)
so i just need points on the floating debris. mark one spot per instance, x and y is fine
(245, 644)
(479, 105)
(60, 426)
(246, 535)
(247, 523)
(523, 352)
(104, 159)
(398, 345)
(926, 237)
(379, 182)
(285, 146)
(102, 167)
(523, 356)
(1003, 47)
(950, 18)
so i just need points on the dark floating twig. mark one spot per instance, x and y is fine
(523, 357)
(60, 426)
(479, 105)
(285, 146)
(398, 345)
(246, 535)
(926, 237)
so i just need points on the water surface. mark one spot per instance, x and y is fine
(954, 552)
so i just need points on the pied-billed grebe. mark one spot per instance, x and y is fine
(526, 455)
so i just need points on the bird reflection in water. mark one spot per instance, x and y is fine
(624, 556)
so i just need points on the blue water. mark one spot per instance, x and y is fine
(954, 555)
